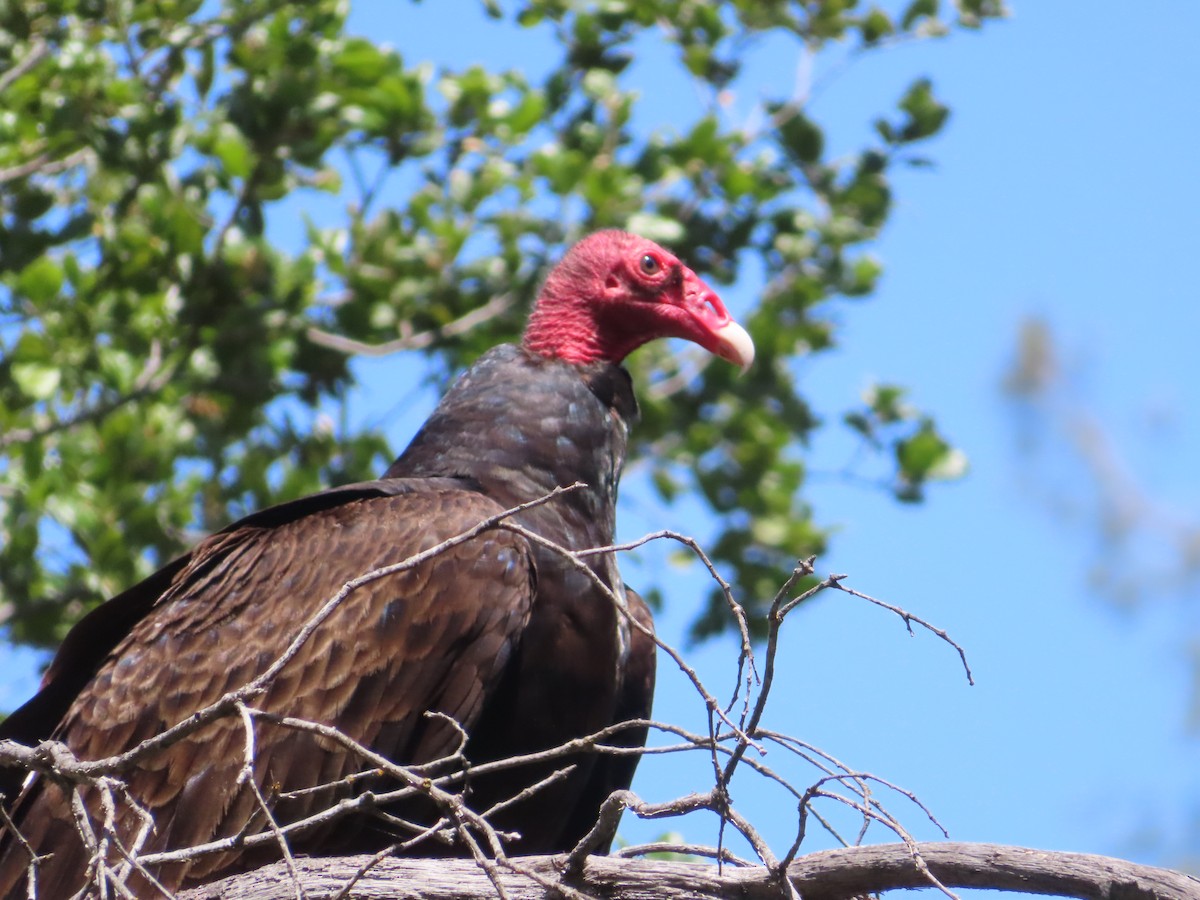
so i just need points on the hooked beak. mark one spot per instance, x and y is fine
(734, 344)
(720, 334)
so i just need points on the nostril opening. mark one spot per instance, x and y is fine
(612, 283)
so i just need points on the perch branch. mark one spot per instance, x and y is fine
(826, 875)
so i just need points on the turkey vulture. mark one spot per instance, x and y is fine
(499, 633)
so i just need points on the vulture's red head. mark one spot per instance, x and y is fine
(615, 291)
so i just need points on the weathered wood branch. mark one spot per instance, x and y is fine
(825, 875)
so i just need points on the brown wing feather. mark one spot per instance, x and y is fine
(435, 637)
(610, 772)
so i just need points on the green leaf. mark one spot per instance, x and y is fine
(926, 115)
(36, 380)
(860, 423)
(952, 465)
(917, 10)
(921, 453)
(657, 228)
(361, 61)
(206, 71)
(40, 281)
(862, 277)
(887, 402)
(233, 152)
(876, 25)
(802, 138)
(599, 84)
(527, 113)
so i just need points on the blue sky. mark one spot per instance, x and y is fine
(1066, 187)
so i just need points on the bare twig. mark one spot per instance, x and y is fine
(735, 608)
(553, 778)
(908, 619)
(247, 777)
(868, 813)
(576, 558)
(45, 164)
(418, 340)
(146, 828)
(619, 801)
(363, 870)
(774, 622)
(636, 850)
(835, 769)
(39, 49)
(8, 826)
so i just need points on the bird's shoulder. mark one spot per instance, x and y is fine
(512, 378)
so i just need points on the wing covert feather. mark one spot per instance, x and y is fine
(433, 637)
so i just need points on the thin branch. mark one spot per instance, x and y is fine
(738, 611)
(845, 774)
(635, 850)
(416, 341)
(247, 777)
(774, 623)
(45, 164)
(619, 801)
(576, 558)
(363, 870)
(868, 815)
(39, 49)
(553, 778)
(132, 863)
(909, 619)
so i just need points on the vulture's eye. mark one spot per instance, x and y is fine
(650, 264)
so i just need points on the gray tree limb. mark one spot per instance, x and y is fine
(825, 875)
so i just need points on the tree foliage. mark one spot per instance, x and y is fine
(168, 364)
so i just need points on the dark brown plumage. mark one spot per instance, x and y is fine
(501, 634)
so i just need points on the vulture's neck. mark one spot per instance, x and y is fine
(521, 425)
